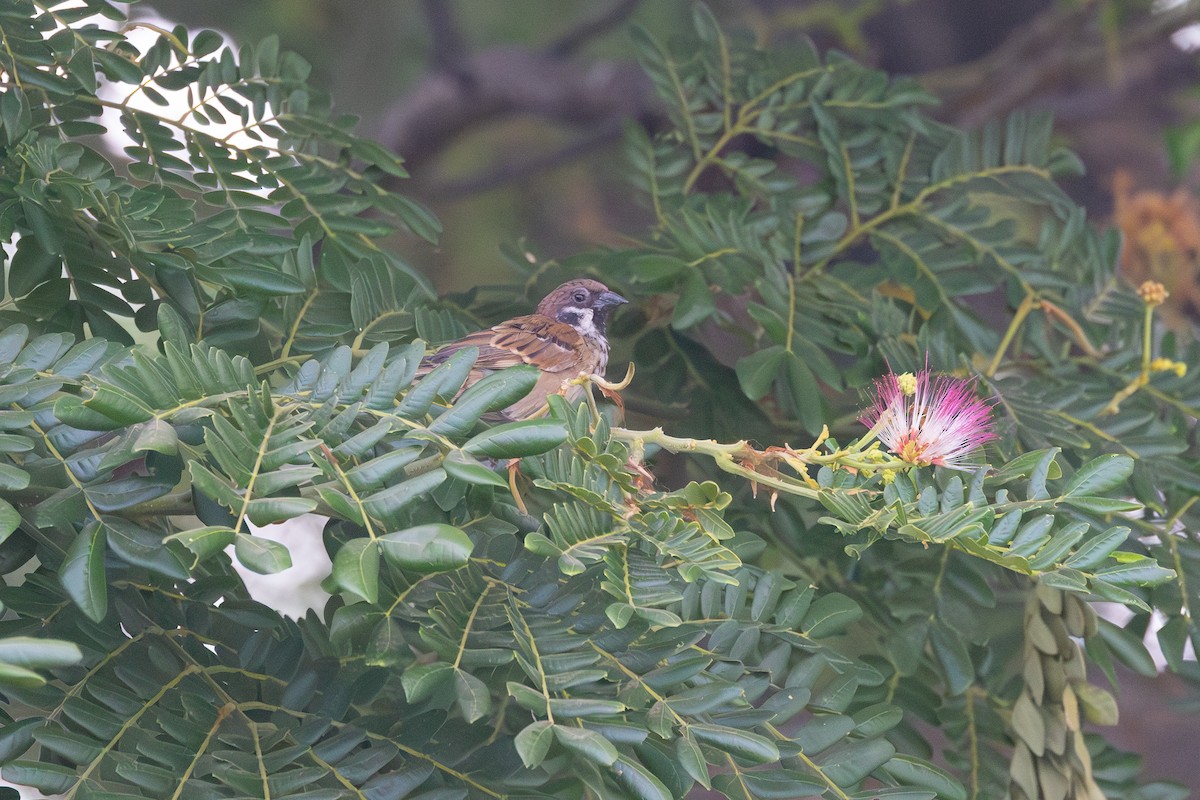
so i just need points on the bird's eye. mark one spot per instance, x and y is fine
(579, 297)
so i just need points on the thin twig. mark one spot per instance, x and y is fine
(592, 27)
(507, 172)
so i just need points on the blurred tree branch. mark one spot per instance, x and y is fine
(506, 172)
(462, 90)
(590, 28)
(1067, 58)
(1035, 66)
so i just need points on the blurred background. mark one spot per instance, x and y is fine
(510, 116)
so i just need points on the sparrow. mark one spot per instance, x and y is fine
(565, 337)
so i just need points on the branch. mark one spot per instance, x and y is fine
(1060, 60)
(590, 28)
(504, 81)
(508, 172)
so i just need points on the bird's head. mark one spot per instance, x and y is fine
(583, 304)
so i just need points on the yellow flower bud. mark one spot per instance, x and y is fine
(908, 383)
(1153, 293)
(1167, 365)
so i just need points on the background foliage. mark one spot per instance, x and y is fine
(835, 635)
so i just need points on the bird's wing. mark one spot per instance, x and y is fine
(549, 345)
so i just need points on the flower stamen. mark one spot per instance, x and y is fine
(927, 420)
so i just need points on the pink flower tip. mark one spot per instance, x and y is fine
(929, 419)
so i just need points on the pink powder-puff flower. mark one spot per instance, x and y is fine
(926, 420)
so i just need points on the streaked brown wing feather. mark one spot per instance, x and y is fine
(550, 345)
(534, 339)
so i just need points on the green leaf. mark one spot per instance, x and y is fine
(1065, 578)
(474, 698)
(206, 42)
(156, 435)
(654, 267)
(82, 572)
(126, 493)
(1026, 463)
(952, 654)
(584, 707)
(517, 439)
(829, 615)
(822, 731)
(589, 744)
(851, 761)
(261, 555)
(388, 502)
(356, 569)
(173, 329)
(1143, 572)
(876, 720)
(1128, 648)
(422, 682)
(757, 371)
(774, 784)
(252, 279)
(112, 404)
(751, 746)
(460, 466)
(13, 478)
(17, 737)
(1044, 471)
(1096, 550)
(26, 651)
(702, 699)
(533, 743)
(639, 782)
(140, 547)
(691, 758)
(493, 392)
(205, 542)
(802, 393)
(435, 547)
(206, 481)
(48, 778)
(526, 697)
(10, 519)
(695, 302)
(1059, 544)
(1116, 594)
(912, 771)
(1102, 505)
(75, 748)
(20, 677)
(1099, 475)
(44, 230)
(271, 510)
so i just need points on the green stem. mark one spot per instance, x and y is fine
(1147, 344)
(1018, 320)
(739, 458)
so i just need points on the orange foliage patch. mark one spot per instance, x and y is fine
(1162, 243)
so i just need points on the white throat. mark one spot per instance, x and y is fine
(581, 319)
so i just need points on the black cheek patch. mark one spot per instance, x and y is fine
(570, 316)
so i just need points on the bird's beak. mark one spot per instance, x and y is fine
(611, 299)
